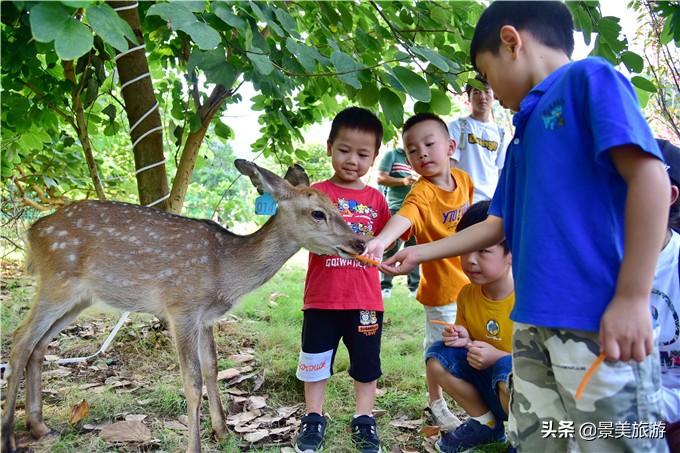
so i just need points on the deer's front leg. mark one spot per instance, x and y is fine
(208, 357)
(186, 338)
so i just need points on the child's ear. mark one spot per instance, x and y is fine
(675, 192)
(510, 39)
(329, 148)
(452, 147)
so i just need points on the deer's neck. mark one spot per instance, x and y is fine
(265, 252)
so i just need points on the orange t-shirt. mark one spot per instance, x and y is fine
(434, 214)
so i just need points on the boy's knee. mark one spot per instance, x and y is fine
(434, 367)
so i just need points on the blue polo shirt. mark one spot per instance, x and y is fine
(560, 197)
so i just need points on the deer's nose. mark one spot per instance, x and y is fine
(359, 245)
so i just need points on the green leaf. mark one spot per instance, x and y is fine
(392, 107)
(441, 104)
(194, 122)
(422, 107)
(347, 67)
(77, 4)
(369, 95)
(633, 61)
(415, 85)
(439, 15)
(215, 66)
(203, 35)
(74, 40)
(225, 13)
(181, 18)
(108, 24)
(262, 63)
(609, 29)
(224, 131)
(433, 57)
(642, 95)
(643, 84)
(286, 20)
(303, 54)
(48, 20)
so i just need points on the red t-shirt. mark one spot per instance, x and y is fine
(335, 283)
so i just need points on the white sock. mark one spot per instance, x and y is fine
(359, 415)
(487, 419)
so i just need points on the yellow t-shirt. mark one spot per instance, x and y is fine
(434, 214)
(485, 319)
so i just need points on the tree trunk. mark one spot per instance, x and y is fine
(152, 183)
(191, 147)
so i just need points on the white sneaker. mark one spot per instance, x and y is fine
(443, 417)
(386, 293)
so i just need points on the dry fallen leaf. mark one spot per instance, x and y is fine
(126, 432)
(407, 424)
(241, 358)
(79, 412)
(379, 412)
(58, 372)
(287, 450)
(256, 436)
(135, 417)
(430, 430)
(287, 411)
(175, 425)
(257, 402)
(243, 417)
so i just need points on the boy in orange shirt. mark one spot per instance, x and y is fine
(430, 212)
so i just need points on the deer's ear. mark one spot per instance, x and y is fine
(264, 180)
(297, 176)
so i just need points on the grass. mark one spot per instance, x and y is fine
(269, 323)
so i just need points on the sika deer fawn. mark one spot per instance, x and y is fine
(187, 271)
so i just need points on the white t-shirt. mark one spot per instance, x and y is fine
(666, 314)
(480, 152)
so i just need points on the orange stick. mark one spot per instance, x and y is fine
(588, 375)
(441, 323)
(366, 260)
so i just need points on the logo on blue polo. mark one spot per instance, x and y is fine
(553, 116)
(492, 327)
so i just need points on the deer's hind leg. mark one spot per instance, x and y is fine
(33, 385)
(40, 319)
(208, 358)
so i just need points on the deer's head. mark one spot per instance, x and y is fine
(314, 223)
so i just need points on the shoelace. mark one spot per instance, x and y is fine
(307, 427)
(365, 430)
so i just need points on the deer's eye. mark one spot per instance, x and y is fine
(318, 215)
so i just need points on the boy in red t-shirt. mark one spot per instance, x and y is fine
(342, 296)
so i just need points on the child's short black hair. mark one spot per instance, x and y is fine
(550, 22)
(357, 118)
(478, 213)
(671, 154)
(419, 118)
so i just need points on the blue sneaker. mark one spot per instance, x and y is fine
(468, 435)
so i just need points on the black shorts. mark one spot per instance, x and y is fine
(360, 330)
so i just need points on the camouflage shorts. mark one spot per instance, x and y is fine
(548, 365)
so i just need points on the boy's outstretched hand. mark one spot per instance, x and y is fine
(455, 336)
(374, 249)
(626, 330)
(407, 259)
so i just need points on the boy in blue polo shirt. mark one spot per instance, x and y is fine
(583, 202)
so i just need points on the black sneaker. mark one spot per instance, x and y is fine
(310, 437)
(365, 434)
